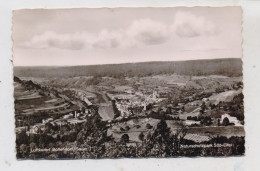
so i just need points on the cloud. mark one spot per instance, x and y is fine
(51, 39)
(148, 32)
(141, 32)
(108, 39)
(187, 24)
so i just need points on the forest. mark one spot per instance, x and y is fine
(228, 67)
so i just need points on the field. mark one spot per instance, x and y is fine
(106, 111)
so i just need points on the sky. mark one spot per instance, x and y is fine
(65, 37)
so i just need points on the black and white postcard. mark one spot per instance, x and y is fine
(128, 82)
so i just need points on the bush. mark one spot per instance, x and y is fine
(226, 122)
(138, 126)
(127, 128)
(125, 138)
(141, 136)
(149, 126)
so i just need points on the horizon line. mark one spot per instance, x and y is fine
(223, 58)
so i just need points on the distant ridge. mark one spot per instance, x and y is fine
(59, 66)
(224, 66)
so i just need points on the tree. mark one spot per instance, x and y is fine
(125, 138)
(162, 132)
(213, 106)
(23, 149)
(169, 110)
(32, 146)
(149, 126)
(225, 122)
(21, 138)
(141, 136)
(127, 128)
(149, 136)
(218, 122)
(203, 107)
(181, 132)
(206, 120)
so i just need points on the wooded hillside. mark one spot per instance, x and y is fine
(227, 67)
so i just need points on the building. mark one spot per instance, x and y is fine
(68, 116)
(20, 129)
(75, 121)
(47, 120)
(36, 128)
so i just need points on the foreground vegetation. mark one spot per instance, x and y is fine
(90, 140)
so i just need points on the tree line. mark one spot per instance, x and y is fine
(227, 67)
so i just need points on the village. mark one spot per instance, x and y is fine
(136, 111)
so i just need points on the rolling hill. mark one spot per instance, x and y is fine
(226, 67)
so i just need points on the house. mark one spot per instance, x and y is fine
(20, 129)
(60, 122)
(47, 120)
(75, 121)
(129, 144)
(191, 122)
(68, 116)
(205, 99)
(181, 104)
(36, 128)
